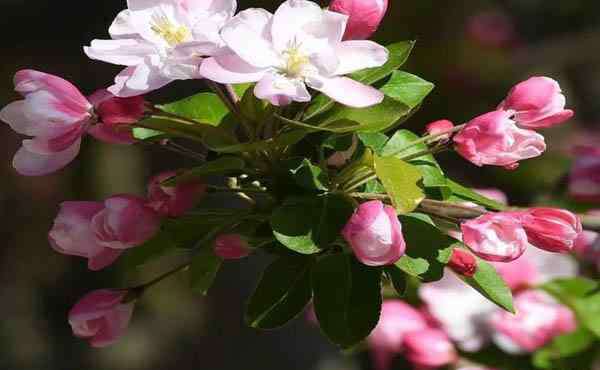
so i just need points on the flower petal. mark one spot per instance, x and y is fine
(125, 52)
(230, 69)
(32, 164)
(280, 90)
(347, 91)
(360, 54)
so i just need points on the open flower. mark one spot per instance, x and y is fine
(101, 231)
(375, 234)
(494, 139)
(101, 317)
(160, 41)
(537, 103)
(57, 115)
(298, 46)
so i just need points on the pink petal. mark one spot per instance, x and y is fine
(112, 134)
(103, 259)
(71, 232)
(54, 145)
(95, 304)
(125, 52)
(280, 90)
(32, 164)
(348, 92)
(116, 323)
(14, 115)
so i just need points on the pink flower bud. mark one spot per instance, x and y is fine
(429, 348)
(494, 194)
(551, 229)
(396, 320)
(537, 103)
(587, 247)
(463, 262)
(494, 139)
(231, 247)
(364, 16)
(101, 317)
(173, 201)
(496, 236)
(439, 127)
(584, 179)
(538, 320)
(375, 234)
(115, 115)
(101, 231)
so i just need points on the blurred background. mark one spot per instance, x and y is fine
(473, 50)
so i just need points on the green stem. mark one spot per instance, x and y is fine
(361, 181)
(426, 139)
(233, 107)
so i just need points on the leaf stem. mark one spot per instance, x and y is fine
(228, 100)
(426, 139)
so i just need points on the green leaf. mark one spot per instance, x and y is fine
(252, 107)
(562, 347)
(219, 166)
(397, 278)
(203, 270)
(372, 119)
(347, 298)
(489, 283)
(399, 53)
(286, 139)
(376, 140)
(568, 289)
(282, 293)
(307, 225)
(306, 174)
(588, 312)
(175, 128)
(428, 249)
(146, 134)
(158, 246)
(471, 195)
(240, 89)
(400, 180)
(205, 108)
(433, 176)
(407, 88)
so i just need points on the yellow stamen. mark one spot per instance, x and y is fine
(296, 62)
(173, 34)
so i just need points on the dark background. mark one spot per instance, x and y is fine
(172, 328)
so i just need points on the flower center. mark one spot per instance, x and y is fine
(295, 62)
(172, 33)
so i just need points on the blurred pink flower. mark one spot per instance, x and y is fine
(493, 28)
(173, 201)
(429, 348)
(496, 236)
(231, 246)
(364, 16)
(396, 320)
(298, 46)
(538, 320)
(537, 103)
(101, 317)
(551, 229)
(584, 179)
(101, 231)
(587, 247)
(375, 234)
(494, 139)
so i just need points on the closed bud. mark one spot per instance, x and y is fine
(176, 200)
(537, 103)
(552, 229)
(429, 348)
(496, 236)
(463, 262)
(101, 316)
(375, 235)
(439, 127)
(364, 16)
(494, 139)
(115, 116)
(231, 247)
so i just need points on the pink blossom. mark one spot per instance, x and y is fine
(493, 29)
(439, 127)
(364, 16)
(115, 115)
(494, 139)
(494, 194)
(429, 348)
(101, 231)
(537, 103)
(538, 320)
(57, 115)
(463, 262)
(551, 229)
(587, 247)
(396, 320)
(375, 234)
(231, 246)
(298, 46)
(584, 179)
(101, 316)
(496, 236)
(161, 41)
(173, 201)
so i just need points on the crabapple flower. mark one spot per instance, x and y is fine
(396, 320)
(587, 247)
(538, 320)
(364, 16)
(101, 316)
(439, 127)
(429, 348)
(584, 179)
(375, 234)
(551, 229)
(496, 237)
(101, 231)
(494, 139)
(57, 115)
(537, 103)
(173, 201)
(298, 46)
(463, 262)
(160, 41)
(231, 247)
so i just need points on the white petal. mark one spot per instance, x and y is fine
(347, 91)
(230, 69)
(125, 52)
(280, 90)
(13, 114)
(121, 28)
(138, 80)
(359, 54)
(289, 20)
